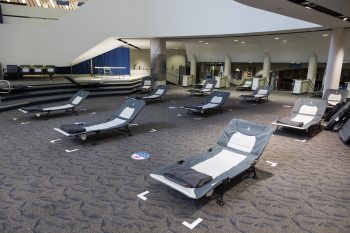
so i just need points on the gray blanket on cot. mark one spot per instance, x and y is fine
(187, 177)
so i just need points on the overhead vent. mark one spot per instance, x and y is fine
(313, 6)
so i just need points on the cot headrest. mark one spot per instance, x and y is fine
(160, 90)
(335, 95)
(218, 97)
(78, 97)
(313, 107)
(263, 90)
(245, 136)
(147, 82)
(129, 109)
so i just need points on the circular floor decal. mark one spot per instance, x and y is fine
(140, 155)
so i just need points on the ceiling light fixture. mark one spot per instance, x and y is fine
(325, 35)
(242, 42)
(206, 43)
(345, 19)
(277, 38)
(200, 41)
(235, 40)
(176, 48)
(284, 41)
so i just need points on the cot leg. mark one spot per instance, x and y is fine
(47, 115)
(220, 201)
(94, 138)
(128, 130)
(252, 169)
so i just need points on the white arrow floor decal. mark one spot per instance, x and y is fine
(193, 225)
(272, 163)
(53, 141)
(70, 151)
(142, 195)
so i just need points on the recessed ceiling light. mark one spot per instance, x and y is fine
(206, 43)
(277, 38)
(176, 48)
(345, 19)
(200, 41)
(242, 42)
(307, 7)
(324, 35)
(284, 41)
(235, 40)
(292, 62)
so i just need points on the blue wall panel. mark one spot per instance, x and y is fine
(119, 57)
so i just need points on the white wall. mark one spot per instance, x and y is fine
(141, 59)
(66, 39)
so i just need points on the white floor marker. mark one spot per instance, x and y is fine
(15, 119)
(25, 123)
(22, 110)
(173, 107)
(272, 163)
(70, 151)
(142, 195)
(92, 113)
(133, 124)
(192, 225)
(298, 140)
(287, 106)
(56, 140)
(179, 115)
(153, 130)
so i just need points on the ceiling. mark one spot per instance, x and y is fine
(287, 8)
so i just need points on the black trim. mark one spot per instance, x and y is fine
(29, 17)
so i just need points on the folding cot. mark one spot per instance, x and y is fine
(260, 94)
(344, 132)
(156, 94)
(120, 120)
(70, 106)
(214, 102)
(237, 151)
(305, 114)
(335, 96)
(337, 120)
(207, 88)
(146, 84)
(247, 85)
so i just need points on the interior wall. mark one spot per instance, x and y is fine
(141, 60)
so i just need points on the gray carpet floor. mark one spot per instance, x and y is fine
(94, 189)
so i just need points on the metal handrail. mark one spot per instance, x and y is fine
(9, 87)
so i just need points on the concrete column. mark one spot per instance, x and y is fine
(312, 69)
(193, 65)
(227, 69)
(158, 61)
(335, 59)
(266, 67)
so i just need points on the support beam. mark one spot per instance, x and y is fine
(335, 59)
(267, 67)
(158, 61)
(193, 66)
(227, 69)
(312, 69)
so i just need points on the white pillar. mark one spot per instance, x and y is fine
(335, 59)
(193, 66)
(227, 69)
(312, 69)
(266, 67)
(158, 61)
